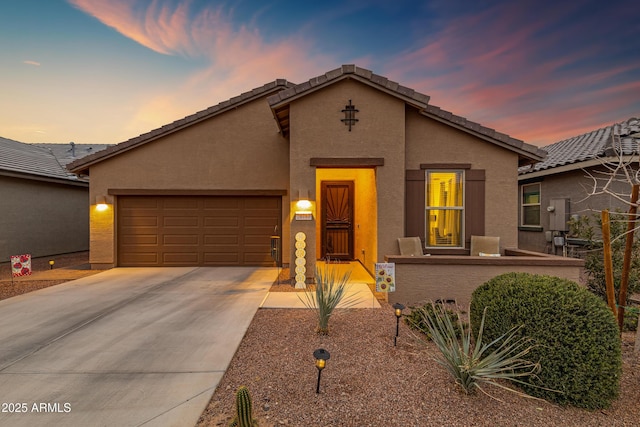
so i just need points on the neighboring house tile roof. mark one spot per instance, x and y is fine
(67, 153)
(33, 162)
(283, 92)
(622, 138)
(280, 106)
(81, 166)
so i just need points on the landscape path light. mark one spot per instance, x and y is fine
(321, 355)
(51, 262)
(398, 312)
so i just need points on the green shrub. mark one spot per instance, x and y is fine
(576, 335)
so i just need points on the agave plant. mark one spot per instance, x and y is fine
(330, 291)
(474, 364)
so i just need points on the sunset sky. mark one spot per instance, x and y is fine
(98, 71)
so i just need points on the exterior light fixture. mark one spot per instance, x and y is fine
(321, 355)
(303, 205)
(51, 262)
(101, 203)
(398, 312)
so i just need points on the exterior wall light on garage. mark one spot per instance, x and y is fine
(101, 203)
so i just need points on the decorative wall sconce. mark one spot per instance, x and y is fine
(321, 355)
(350, 115)
(101, 203)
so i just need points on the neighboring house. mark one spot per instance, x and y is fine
(44, 209)
(558, 187)
(370, 160)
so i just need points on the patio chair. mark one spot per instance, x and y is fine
(485, 246)
(410, 246)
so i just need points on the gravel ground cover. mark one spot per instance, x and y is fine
(67, 267)
(367, 381)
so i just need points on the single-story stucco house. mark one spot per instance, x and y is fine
(44, 209)
(560, 186)
(337, 167)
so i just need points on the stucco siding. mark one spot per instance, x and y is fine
(429, 141)
(236, 150)
(317, 131)
(574, 186)
(42, 218)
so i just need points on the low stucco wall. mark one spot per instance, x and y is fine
(420, 279)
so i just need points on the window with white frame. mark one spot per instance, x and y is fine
(444, 208)
(530, 209)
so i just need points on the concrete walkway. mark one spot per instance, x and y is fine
(358, 289)
(125, 347)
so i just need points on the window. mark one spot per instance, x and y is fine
(444, 208)
(530, 212)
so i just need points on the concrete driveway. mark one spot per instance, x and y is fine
(126, 347)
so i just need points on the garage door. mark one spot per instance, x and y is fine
(196, 231)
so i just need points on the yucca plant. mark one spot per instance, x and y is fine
(330, 291)
(474, 364)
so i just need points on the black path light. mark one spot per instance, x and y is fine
(51, 262)
(398, 312)
(321, 355)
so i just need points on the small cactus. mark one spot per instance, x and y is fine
(244, 416)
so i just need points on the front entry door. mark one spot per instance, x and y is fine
(337, 220)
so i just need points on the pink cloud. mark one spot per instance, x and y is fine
(496, 68)
(237, 59)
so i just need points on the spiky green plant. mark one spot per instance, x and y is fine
(474, 364)
(330, 291)
(244, 415)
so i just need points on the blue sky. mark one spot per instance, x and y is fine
(97, 71)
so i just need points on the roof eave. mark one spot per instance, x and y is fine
(81, 166)
(527, 153)
(44, 178)
(569, 167)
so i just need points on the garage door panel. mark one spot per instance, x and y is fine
(181, 240)
(183, 203)
(188, 231)
(179, 258)
(143, 259)
(221, 239)
(140, 221)
(224, 202)
(230, 221)
(139, 239)
(180, 221)
(139, 202)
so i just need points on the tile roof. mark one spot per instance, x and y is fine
(283, 92)
(279, 104)
(32, 161)
(67, 153)
(623, 137)
(81, 166)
